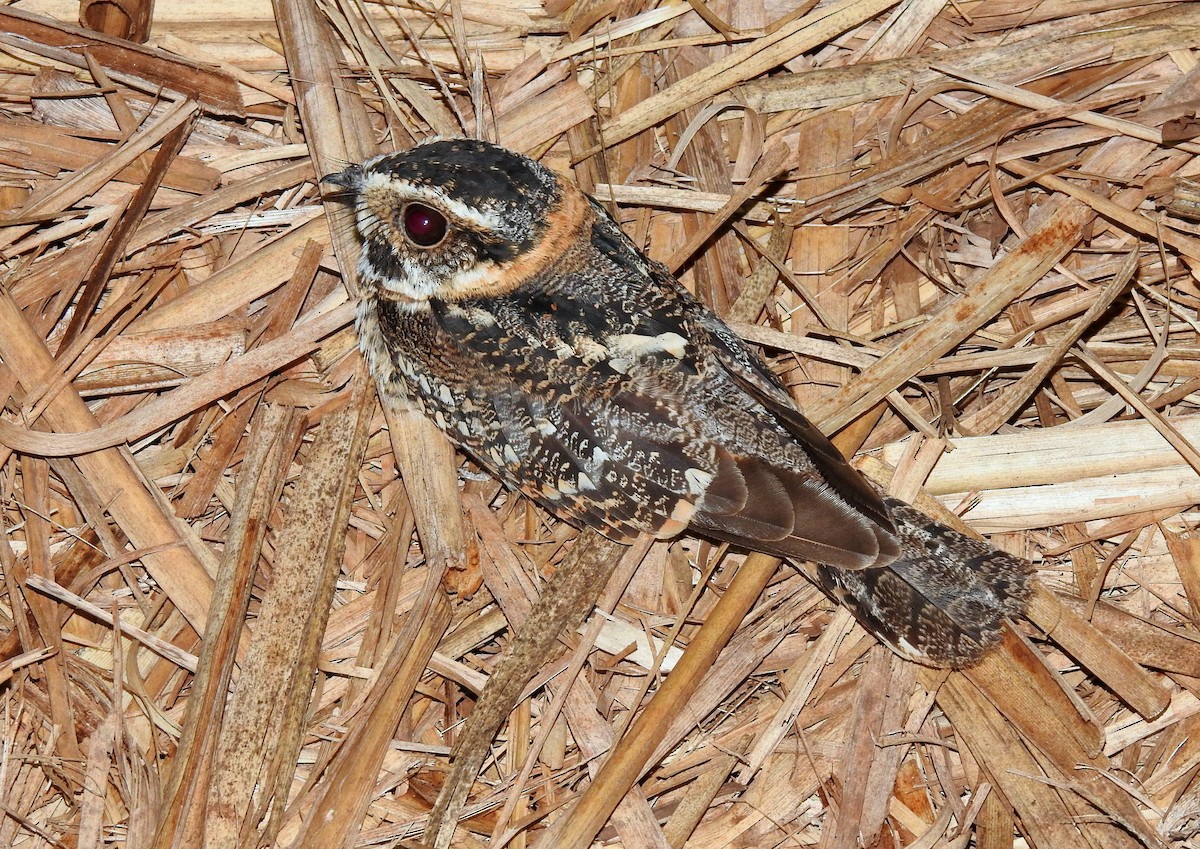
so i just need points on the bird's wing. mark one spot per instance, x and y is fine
(823, 510)
(633, 451)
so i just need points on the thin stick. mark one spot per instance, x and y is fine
(170, 651)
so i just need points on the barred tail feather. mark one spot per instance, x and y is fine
(943, 601)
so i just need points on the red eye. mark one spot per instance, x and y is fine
(423, 225)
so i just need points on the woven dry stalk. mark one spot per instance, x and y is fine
(240, 608)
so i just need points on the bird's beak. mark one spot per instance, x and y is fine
(350, 179)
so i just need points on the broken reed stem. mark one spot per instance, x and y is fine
(350, 779)
(628, 760)
(566, 600)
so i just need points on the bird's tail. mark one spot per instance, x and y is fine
(943, 601)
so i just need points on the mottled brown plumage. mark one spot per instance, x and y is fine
(544, 344)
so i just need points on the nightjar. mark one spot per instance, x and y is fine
(513, 309)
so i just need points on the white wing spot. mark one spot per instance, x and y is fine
(630, 345)
(697, 480)
(673, 344)
(478, 315)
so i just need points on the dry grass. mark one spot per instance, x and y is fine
(243, 608)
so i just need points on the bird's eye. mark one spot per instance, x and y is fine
(423, 225)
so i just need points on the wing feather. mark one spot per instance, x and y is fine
(659, 436)
(825, 512)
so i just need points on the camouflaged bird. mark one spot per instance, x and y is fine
(513, 309)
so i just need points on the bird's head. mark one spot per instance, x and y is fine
(457, 219)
